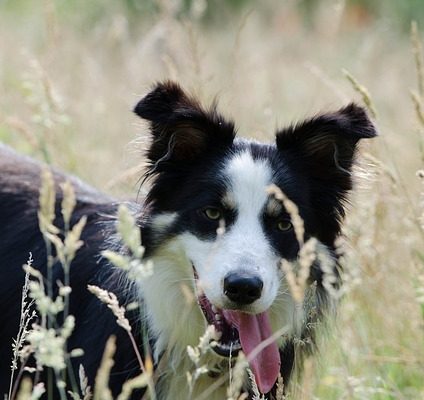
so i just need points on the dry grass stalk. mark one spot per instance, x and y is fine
(279, 394)
(420, 175)
(416, 99)
(130, 385)
(196, 355)
(29, 392)
(49, 345)
(129, 232)
(297, 274)
(292, 209)
(254, 387)
(45, 103)
(24, 129)
(193, 45)
(84, 386)
(101, 387)
(50, 19)
(418, 56)
(68, 203)
(47, 200)
(237, 378)
(25, 389)
(28, 314)
(48, 339)
(137, 269)
(112, 303)
(68, 248)
(363, 91)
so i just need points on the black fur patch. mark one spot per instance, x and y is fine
(182, 131)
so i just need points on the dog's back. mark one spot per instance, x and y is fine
(20, 235)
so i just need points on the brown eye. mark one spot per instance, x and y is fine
(213, 213)
(284, 226)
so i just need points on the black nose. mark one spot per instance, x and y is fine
(242, 289)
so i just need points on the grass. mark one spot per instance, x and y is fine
(70, 75)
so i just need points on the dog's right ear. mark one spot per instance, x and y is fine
(182, 131)
(324, 148)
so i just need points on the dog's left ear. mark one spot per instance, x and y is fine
(324, 149)
(327, 142)
(182, 131)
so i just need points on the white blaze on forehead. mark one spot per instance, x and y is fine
(249, 179)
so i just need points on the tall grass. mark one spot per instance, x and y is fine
(70, 76)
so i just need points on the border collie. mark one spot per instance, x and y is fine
(210, 226)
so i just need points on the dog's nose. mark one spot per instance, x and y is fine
(242, 289)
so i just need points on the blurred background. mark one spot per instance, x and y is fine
(71, 72)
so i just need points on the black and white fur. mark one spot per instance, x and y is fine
(202, 178)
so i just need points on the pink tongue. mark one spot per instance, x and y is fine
(254, 329)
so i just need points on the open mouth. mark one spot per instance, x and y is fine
(250, 333)
(228, 344)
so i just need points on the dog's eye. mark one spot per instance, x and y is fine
(213, 213)
(284, 226)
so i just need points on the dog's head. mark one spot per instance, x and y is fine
(210, 195)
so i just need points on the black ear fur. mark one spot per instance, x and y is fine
(181, 129)
(324, 149)
(328, 142)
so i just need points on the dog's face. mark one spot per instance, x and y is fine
(243, 231)
(210, 194)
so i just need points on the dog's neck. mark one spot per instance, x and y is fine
(176, 322)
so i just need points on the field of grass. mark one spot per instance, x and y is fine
(70, 73)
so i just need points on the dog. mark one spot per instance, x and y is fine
(213, 230)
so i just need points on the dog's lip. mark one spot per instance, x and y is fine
(228, 343)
